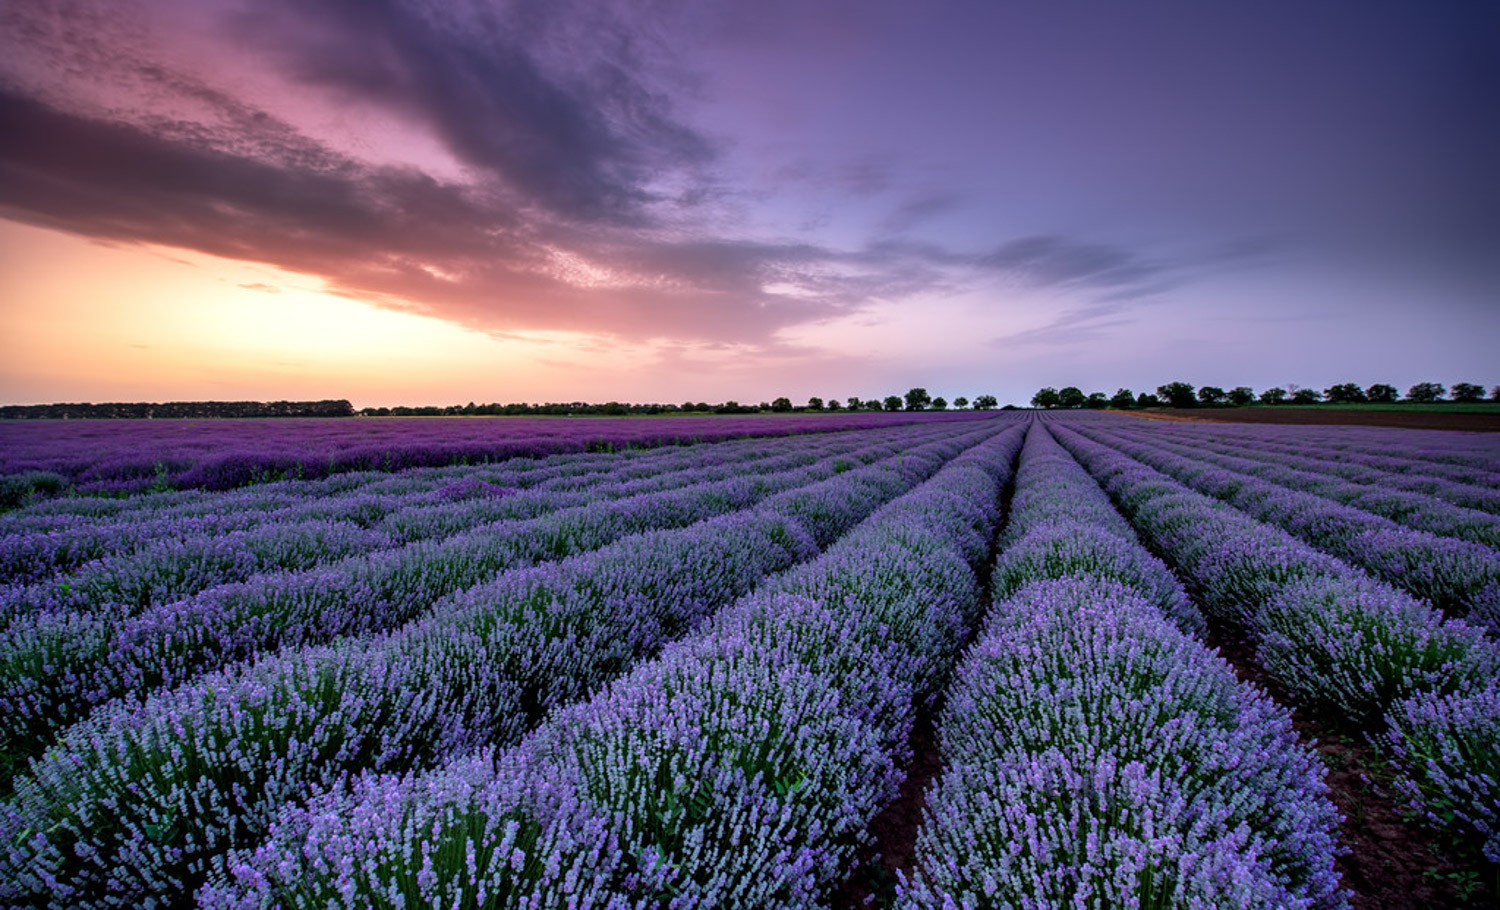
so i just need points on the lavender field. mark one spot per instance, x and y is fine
(687, 663)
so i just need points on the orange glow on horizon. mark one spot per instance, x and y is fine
(89, 321)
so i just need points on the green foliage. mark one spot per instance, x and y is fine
(815, 403)
(960, 402)
(988, 402)
(893, 402)
(1211, 394)
(1306, 396)
(1123, 400)
(1467, 391)
(1380, 392)
(1426, 391)
(1045, 398)
(781, 405)
(1177, 394)
(1273, 395)
(1070, 397)
(917, 399)
(940, 403)
(1344, 393)
(1241, 395)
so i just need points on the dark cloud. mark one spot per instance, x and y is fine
(1060, 262)
(581, 141)
(918, 210)
(1073, 325)
(561, 117)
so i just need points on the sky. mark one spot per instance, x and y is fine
(424, 202)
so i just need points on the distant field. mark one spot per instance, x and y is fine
(1481, 417)
(128, 456)
(1433, 407)
(397, 682)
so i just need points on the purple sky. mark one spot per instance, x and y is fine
(404, 202)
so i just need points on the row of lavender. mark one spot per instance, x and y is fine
(140, 802)
(1421, 685)
(153, 554)
(59, 535)
(1456, 575)
(1381, 467)
(1424, 511)
(1096, 753)
(739, 769)
(127, 456)
(65, 656)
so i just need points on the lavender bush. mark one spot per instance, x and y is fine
(1100, 757)
(128, 455)
(1447, 750)
(739, 769)
(134, 804)
(1452, 574)
(1353, 648)
(54, 668)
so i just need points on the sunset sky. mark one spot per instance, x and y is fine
(402, 202)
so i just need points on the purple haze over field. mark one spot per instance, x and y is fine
(399, 202)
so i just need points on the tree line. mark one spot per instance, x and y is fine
(916, 399)
(176, 410)
(1184, 395)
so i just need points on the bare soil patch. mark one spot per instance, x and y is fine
(1347, 417)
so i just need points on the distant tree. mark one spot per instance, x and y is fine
(893, 402)
(1381, 392)
(1177, 394)
(781, 405)
(1241, 395)
(854, 403)
(1344, 393)
(1123, 400)
(1212, 394)
(765, 406)
(1096, 400)
(1273, 395)
(1495, 393)
(988, 402)
(833, 405)
(688, 406)
(940, 403)
(1147, 400)
(917, 399)
(1045, 398)
(1467, 391)
(815, 403)
(960, 402)
(1071, 397)
(1306, 396)
(1426, 391)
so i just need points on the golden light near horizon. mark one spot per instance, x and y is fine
(137, 321)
